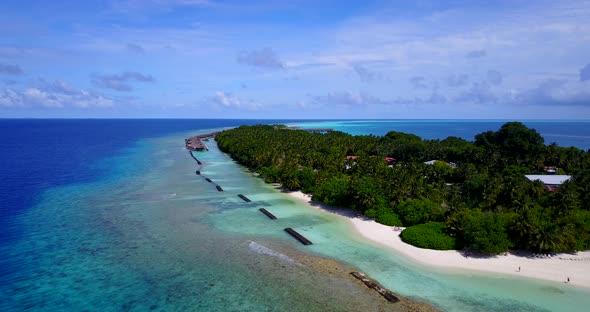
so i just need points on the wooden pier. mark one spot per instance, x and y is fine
(298, 236)
(268, 214)
(195, 143)
(388, 295)
(246, 199)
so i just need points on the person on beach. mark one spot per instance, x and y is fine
(568, 279)
(518, 269)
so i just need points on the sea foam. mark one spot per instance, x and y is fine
(263, 250)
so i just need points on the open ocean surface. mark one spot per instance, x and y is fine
(108, 215)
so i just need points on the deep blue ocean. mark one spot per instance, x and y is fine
(51, 156)
(39, 154)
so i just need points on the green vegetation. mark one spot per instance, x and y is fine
(428, 235)
(418, 211)
(385, 216)
(485, 202)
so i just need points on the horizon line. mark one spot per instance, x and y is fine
(295, 119)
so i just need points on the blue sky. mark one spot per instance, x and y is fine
(295, 59)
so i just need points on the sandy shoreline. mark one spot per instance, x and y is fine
(557, 268)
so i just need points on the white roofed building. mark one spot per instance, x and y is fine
(450, 164)
(551, 181)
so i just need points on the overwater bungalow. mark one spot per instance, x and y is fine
(195, 143)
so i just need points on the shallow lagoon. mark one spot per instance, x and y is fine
(157, 236)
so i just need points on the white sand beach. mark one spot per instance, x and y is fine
(557, 268)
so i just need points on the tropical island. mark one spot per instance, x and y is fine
(487, 196)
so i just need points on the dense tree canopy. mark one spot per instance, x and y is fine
(484, 202)
(429, 235)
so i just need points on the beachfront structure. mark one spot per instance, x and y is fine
(196, 143)
(387, 159)
(353, 162)
(312, 130)
(551, 181)
(319, 130)
(551, 169)
(353, 158)
(450, 164)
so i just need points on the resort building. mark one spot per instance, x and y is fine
(353, 158)
(551, 181)
(551, 169)
(450, 164)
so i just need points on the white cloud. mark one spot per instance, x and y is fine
(447, 51)
(120, 82)
(10, 98)
(476, 54)
(10, 69)
(56, 95)
(223, 100)
(38, 97)
(348, 99)
(154, 6)
(548, 93)
(478, 93)
(265, 57)
(521, 40)
(457, 80)
(554, 92)
(226, 99)
(368, 75)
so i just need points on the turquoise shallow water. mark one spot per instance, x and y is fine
(156, 236)
(144, 240)
(564, 133)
